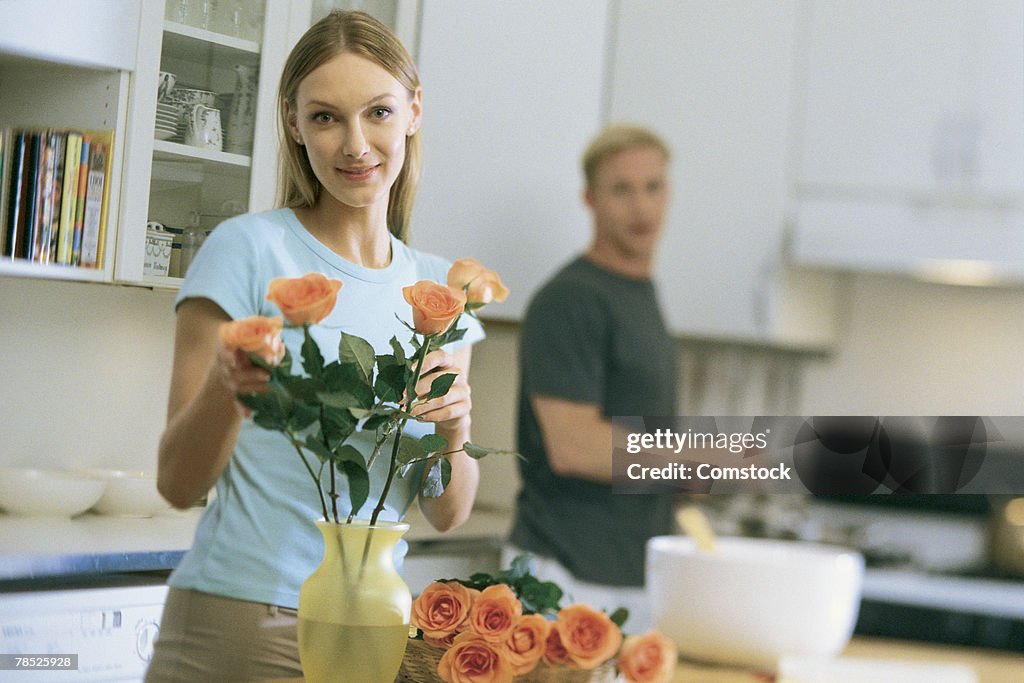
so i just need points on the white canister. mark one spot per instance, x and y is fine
(158, 251)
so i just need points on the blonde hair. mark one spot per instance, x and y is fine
(617, 138)
(356, 33)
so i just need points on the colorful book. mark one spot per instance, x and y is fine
(44, 202)
(68, 200)
(108, 143)
(97, 189)
(83, 178)
(6, 162)
(59, 140)
(32, 189)
(17, 203)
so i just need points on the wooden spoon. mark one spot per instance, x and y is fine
(694, 524)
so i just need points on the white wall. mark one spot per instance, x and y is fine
(911, 348)
(84, 375)
(91, 388)
(903, 348)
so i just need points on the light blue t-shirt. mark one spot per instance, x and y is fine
(256, 539)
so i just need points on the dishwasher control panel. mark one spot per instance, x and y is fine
(109, 633)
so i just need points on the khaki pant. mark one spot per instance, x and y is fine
(207, 638)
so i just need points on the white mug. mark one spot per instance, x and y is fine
(202, 127)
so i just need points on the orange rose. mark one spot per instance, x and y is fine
(482, 285)
(434, 306)
(306, 299)
(526, 644)
(554, 651)
(472, 659)
(495, 613)
(257, 335)
(648, 658)
(589, 636)
(441, 608)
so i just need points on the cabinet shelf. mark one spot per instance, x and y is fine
(24, 268)
(159, 282)
(184, 38)
(175, 151)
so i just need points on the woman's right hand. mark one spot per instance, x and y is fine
(239, 375)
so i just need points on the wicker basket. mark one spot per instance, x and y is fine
(420, 666)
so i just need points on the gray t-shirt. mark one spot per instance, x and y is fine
(594, 337)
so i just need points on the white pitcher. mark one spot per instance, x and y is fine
(242, 118)
(202, 127)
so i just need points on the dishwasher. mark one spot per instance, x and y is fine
(81, 634)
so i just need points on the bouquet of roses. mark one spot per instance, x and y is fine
(320, 406)
(493, 628)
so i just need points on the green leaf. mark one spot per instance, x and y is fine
(452, 335)
(348, 377)
(619, 616)
(302, 415)
(358, 483)
(409, 449)
(349, 453)
(337, 424)
(353, 349)
(399, 351)
(519, 568)
(433, 443)
(302, 388)
(269, 409)
(437, 478)
(375, 421)
(441, 384)
(338, 399)
(390, 384)
(538, 596)
(312, 359)
(315, 444)
(477, 452)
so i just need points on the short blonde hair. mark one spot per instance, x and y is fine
(616, 138)
(356, 33)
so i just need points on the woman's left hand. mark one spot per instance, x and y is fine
(451, 411)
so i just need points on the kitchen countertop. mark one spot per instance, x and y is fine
(41, 547)
(33, 548)
(989, 666)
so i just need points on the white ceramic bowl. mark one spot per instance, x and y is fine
(47, 492)
(129, 494)
(752, 601)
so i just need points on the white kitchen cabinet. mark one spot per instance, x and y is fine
(182, 185)
(911, 138)
(512, 93)
(914, 96)
(67, 67)
(95, 64)
(716, 80)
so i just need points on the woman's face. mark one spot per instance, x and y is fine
(353, 117)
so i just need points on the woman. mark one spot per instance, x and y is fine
(351, 106)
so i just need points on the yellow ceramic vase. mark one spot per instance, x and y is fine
(353, 620)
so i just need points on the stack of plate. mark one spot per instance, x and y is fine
(167, 119)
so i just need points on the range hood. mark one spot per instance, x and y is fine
(953, 237)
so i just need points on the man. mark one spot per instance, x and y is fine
(593, 346)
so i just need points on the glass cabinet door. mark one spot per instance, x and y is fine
(204, 127)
